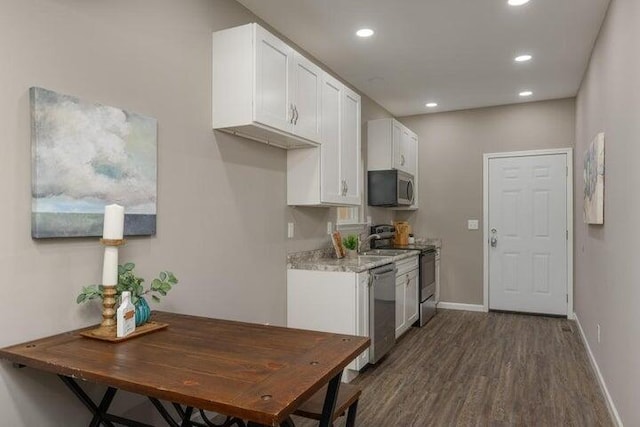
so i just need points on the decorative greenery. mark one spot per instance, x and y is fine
(351, 242)
(128, 281)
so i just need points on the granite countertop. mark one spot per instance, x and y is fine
(433, 241)
(325, 260)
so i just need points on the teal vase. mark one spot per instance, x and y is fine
(143, 312)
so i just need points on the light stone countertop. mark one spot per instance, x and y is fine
(325, 260)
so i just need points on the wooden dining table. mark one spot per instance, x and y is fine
(251, 373)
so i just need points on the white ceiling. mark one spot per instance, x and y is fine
(458, 53)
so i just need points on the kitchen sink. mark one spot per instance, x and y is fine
(383, 252)
(371, 258)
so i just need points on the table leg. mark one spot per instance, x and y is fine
(104, 405)
(100, 414)
(230, 421)
(326, 420)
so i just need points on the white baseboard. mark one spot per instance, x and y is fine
(460, 306)
(607, 397)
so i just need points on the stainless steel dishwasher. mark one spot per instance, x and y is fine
(382, 311)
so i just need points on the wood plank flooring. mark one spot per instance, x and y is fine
(483, 369)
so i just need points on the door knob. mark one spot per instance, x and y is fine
(494, 239)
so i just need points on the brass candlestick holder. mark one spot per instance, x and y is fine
(108, 325)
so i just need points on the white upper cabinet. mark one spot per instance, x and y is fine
(263, 89)
(307, 100)
(391, 145)
(350, 149)
(330, 175)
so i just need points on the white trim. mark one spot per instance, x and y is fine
(485, 217)
(607, 397)
(460, 306)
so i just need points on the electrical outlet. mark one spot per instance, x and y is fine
(329, 227)
(290, 230)
(368, 220)
(598, 333)
(472, 224)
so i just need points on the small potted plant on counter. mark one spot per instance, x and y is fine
(351, 245)
(128, 281)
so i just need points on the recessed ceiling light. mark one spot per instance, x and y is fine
(523, 58)
(526, 93)
(517, 2)
(364, 32)
(431, 104)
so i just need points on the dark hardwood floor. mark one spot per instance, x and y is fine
(483, 369)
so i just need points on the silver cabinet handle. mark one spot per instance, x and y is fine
(293, 113)
(402, 159)
(346, 187)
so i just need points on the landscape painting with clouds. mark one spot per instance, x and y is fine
(86, 156)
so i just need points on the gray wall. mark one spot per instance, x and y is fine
(606, 264)
(221, 199)
(451, 148)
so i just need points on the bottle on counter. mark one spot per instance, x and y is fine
(125, 316)
(412, 240)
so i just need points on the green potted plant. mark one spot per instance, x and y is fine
(128, 281)
(351, 245)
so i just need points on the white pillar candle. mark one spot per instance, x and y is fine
(110, 266)
(113, 222)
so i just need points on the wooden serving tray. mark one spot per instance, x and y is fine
(147, 328)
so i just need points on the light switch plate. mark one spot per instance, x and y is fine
(290, 230)
(329, 227)
(472, 224)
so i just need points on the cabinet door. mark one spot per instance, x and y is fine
(362, 326)
(307, 98)
(350, 154)
(331, 182)
(401, 318)
(411, 153)
(396, 142)
(411, 296)
(405, 151)
(273, 104)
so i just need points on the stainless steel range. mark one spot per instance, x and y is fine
(427, 272)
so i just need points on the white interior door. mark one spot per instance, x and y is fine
(527, 230)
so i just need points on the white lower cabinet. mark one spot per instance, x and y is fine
(407, 299)
(330, 301)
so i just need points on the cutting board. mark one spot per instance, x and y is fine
(336, 239)
(402, 233)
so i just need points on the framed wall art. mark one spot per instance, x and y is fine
(594, 181)
(86, 156)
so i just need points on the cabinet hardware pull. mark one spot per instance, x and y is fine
(295, 122)
(293, 113)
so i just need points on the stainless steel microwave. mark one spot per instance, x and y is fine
(390, 188)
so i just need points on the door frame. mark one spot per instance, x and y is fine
(485, 216)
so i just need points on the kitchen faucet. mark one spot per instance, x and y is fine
(368, 239)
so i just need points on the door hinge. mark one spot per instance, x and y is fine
(566, 168)
(567, 234)
(567, 298)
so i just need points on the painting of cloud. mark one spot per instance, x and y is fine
(86, 156)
